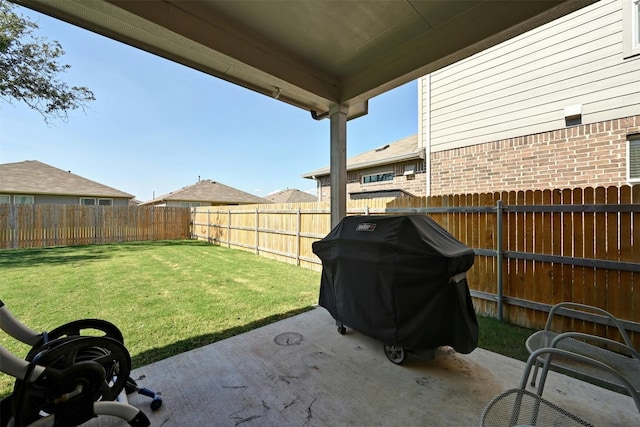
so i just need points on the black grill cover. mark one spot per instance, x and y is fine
(399, 279)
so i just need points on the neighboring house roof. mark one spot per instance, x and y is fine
(34, 177)
(395, 192)
(291, 195)
(210, 192)
(398, 151)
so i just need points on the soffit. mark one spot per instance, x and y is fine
(311, 54)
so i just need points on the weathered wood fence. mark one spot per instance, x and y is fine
(28, 226)
(533, 248)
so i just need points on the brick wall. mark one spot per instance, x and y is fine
(576, 157)
(580, 156)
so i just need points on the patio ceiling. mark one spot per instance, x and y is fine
(311, 54)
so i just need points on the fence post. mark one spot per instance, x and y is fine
(298, 243)
(228, 228)
(499, 232)
(208, 225)
(257, 232)
(13, 224)
(95, 224)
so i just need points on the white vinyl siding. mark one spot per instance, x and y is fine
(522, 86)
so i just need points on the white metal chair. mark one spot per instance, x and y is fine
(519, 407)
(621, 356)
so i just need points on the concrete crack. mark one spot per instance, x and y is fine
(309, 414)
(245, 420)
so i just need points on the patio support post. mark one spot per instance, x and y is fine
(338, 165)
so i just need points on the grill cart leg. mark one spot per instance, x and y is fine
(341, 329)
(394, 354)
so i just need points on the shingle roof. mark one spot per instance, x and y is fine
(291, 195)
(398, 151)
(34, 177)
(211, 192)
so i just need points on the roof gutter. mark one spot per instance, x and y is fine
(319, 116)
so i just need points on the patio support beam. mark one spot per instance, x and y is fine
(338, 166)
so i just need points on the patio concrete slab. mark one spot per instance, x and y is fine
(301, 372)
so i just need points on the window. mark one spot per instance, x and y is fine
(5, 198)
(23, 200)
(635, 26)
(90, 201)
(631, 27)
(189, 204)
(633, 159)
(379, 177)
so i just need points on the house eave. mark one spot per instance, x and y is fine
(416, 155)
(48, 193)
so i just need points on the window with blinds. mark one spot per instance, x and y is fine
(633, 159)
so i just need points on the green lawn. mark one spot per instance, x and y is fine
(168, 297)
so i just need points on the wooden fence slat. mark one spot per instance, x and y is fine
(600, 285)
(567, 250)
(529, 270)
(482, 264)
(556, 248)
(546, 270)
(519, 276)
(613, 253)
(625, 254)
(540, 280)
(589, 251)
(578, 279)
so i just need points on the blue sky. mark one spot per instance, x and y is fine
(157, 126)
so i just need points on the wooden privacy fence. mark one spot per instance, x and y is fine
(533, 248)
(281, 231)
(28, 226)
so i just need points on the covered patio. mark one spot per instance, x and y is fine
(301, 372)
(328, 58)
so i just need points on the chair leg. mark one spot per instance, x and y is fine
(535, 373)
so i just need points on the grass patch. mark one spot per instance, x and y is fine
(503, 338)
(169, 297)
